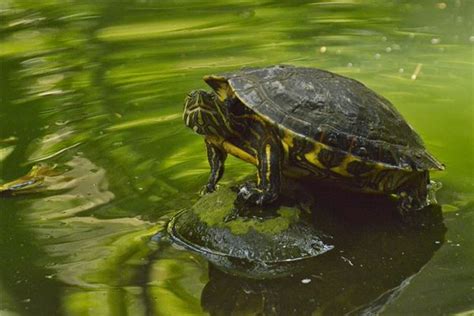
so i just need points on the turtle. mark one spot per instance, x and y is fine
(309, 123)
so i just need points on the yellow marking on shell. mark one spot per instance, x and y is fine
(288, 139)
(220, 86)
(286, 149)
(287, 144)
(224, 91)
(268, 150)
(342, 168)
(312, 156)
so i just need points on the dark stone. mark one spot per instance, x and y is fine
(255, 247)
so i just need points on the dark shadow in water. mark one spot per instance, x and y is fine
(31, 288)
(375, 255)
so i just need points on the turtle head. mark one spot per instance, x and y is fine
(205, 114)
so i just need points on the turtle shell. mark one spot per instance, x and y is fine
(328, 108)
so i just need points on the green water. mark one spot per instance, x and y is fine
(94, 90)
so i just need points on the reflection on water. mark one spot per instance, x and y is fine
(374, 259)
(95, 90)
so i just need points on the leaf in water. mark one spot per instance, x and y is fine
(35, 181)
(86, 187)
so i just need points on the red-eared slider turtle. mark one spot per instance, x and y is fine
(306, 122)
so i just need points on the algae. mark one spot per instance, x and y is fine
(213, 208)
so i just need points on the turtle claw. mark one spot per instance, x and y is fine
(250, 194)
(234, 214)
(208, 188)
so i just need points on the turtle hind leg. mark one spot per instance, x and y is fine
(413, 194)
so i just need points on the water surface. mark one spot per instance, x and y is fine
(93, 91)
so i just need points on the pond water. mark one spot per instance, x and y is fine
(92, 94)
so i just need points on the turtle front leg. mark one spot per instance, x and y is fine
(216, 157)
(268, 174)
